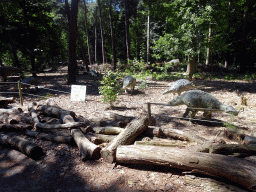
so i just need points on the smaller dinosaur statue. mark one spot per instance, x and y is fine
(27, 82)
(179, 86)
(197, 100)
(129, 82)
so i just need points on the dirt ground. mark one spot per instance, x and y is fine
(62, 169)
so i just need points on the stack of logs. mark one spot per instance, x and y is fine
(132, 144)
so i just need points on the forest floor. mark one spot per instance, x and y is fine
(62, 169)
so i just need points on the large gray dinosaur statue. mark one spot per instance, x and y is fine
(197, 100)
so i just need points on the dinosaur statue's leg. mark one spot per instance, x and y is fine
(207, 115)
(192, 114)
(186, 112)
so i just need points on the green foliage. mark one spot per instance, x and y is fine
(110, 87)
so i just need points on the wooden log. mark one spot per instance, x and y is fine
(60, 126)
(21, 127)
(234, 169)
(54, 111)
(228, 149)
(93, 138)
(162, 142)
(183, 135)
(13, 110)
(153, 131)
(34, 117)
(23, 145)
(108, 130)
(87, 149)
(126, 137)
(49, 137)
(4, 101)
(174, 133)
(117, 117)
(106, 138)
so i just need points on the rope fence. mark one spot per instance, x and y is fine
(20, 90)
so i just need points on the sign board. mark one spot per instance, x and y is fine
(78, 92)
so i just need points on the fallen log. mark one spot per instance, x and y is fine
(162, 143)
(183, 135)
(87, 149)
(23, 145)
(234, 169)
(4, 101)
(153, 131)
(54, 111)
(107, 130)
(227, 149)
(60, 126)
(34, 117)
(106, 138)
(49, 137)
(126, 137)
(21, 127)
(117, 117)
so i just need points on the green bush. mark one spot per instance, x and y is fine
(110, 87)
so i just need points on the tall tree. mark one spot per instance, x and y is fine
(127, 38)
(72, 65)
(112, 35)
(87, 33)
(102, 35)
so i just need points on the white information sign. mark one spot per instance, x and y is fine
(78, 92)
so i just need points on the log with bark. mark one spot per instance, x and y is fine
(183, 135)
(23, 145)
(234, 169)
(60, 126)
(126, 137)
(162, 142)
(108, 130)
(54, 111)
(4, 101)
(88, 150)
(49, 137)
(226, 149)
(21, 127)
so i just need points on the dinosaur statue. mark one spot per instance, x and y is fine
(197, 100)
(179, 86)
(129, 82)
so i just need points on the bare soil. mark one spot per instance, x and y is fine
(62, 168)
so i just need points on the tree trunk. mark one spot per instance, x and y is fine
(148, 39)
(87, 34)
(102, 35)
(95, 40)
(127, 136)
(23, 145)
(83, 52)
(127, 38)
(112, 36)
(234, 169)
(208, 48)
(72, 65)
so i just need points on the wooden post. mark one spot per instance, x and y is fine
(20, 93)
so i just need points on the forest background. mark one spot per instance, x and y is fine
(37, 34)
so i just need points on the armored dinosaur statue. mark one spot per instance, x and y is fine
(27, 82)
(5, 71)
(202, 101)
(179, 86)
(129, 82)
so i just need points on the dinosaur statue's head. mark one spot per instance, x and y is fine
(229, 109)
